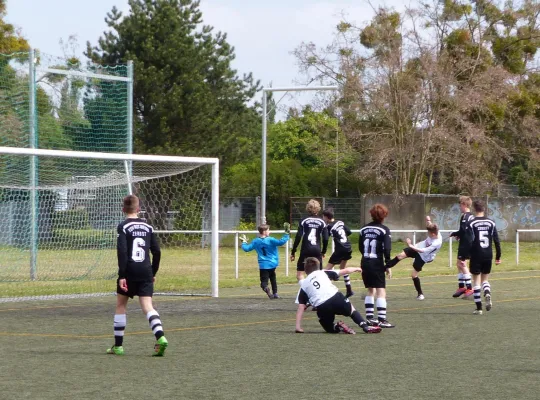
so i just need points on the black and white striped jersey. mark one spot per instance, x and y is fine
(375, 243)
(484, 234)
(135, 241)
(340, 233)
(312, 232)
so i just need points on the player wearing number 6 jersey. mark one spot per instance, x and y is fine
(267, 256)
(342, 247)
(136, 274)
(375, 247)
(311, 231)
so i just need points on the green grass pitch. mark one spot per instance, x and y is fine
(243, 346)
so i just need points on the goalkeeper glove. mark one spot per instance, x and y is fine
(287, 227)
(243, 238)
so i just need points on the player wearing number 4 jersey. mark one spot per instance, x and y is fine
(342, 247)
(318, 290)
(312, 232)
(136, 275)
(484, 233)
(375, 247)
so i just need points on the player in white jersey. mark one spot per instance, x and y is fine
(318, 290)
(422, 252)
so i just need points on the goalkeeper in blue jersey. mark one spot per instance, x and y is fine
(267, 256)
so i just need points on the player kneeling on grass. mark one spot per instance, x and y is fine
(136, 274)
(343, 250)
(422, 252)
(317, 289)
(267, 256)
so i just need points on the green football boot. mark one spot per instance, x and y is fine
(160, 347)
(116, 350)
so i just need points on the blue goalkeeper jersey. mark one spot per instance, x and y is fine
(267, 250)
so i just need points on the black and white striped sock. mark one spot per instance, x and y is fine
(461, 281)
(468, 282)
(486, 288)
(120, 322)
(477, 297)
(369, 303)
(381, 309)
(347, 280)
(155, 323)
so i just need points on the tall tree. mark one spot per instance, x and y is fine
(432, 97)
(187, 98)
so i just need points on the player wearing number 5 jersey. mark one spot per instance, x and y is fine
(375, 247)
(267, 256)
(312, 232)
(484, 233)
(136, 274)
(342, 247)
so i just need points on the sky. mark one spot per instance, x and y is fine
(263, 33)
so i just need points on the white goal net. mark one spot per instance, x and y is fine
(59, 211)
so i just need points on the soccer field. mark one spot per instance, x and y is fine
(243, 346)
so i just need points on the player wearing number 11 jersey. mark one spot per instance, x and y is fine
(136, 274)
(375, 247)
(311, 231)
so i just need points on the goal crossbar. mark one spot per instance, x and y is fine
(214, 162)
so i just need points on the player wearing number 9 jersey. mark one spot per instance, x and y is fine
(375, 247)
(318, 290)
(136, 274)
(311, 231)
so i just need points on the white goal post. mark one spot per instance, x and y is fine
(31, 177)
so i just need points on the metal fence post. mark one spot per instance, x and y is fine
(236, 255)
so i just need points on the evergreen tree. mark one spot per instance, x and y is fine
(187, 98)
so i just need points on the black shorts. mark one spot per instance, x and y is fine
(137, 288)
(373, 275)
(418, 263)
(335, 305)
(463, 253)
(480, 266)
(302, 258)
(338, 256)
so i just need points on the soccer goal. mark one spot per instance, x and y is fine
(59, 211)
